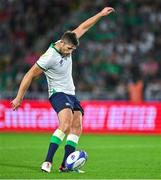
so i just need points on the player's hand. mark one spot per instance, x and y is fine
(15, 103)
(106, 11)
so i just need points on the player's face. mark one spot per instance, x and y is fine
(67, 49)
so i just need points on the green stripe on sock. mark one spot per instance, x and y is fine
(55, 139)
(71, 143)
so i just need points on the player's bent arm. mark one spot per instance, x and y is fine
(86, 25)
(25, 83)
(29, 76)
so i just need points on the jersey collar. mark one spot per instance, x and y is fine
(53, 46)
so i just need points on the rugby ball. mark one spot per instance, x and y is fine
(76, 160)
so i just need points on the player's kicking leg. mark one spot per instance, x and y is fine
(65, 117)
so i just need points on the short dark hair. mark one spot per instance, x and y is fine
(70, 37)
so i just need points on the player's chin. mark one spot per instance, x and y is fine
(66, 54)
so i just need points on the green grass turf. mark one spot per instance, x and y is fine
(110, 157)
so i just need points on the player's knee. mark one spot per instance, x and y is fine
(65, 126)
(65, 120)
(77, 125)
(76, 128)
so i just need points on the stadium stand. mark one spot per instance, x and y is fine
(114, 55)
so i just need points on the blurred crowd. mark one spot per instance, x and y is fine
(119, 58)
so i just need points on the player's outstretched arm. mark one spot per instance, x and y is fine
(25, 83)
(82, 28)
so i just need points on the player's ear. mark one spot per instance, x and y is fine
(61, 41)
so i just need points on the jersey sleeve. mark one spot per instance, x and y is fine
(46, 61)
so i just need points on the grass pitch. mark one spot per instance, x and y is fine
(110, 157)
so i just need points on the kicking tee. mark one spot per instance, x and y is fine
(58, 71)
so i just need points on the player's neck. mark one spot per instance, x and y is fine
(57, 46)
